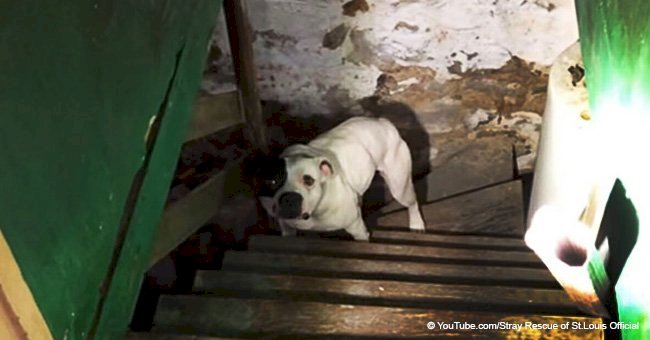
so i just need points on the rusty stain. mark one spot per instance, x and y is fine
(516, 86)
(406, 25)
(335, 38)
(351, 7)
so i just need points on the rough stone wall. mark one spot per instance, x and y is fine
(466, 69)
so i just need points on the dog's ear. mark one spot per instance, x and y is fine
(326, 168)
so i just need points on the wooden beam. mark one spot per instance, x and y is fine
(20, 317)
(261, 318)
(388, 270)
(213, 113)
(240, 35)
(378, 251)
(384, 292)
(187, 215)
(159, 336)
(448, 241)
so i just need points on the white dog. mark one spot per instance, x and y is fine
(319, 186)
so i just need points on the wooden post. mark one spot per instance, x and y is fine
(241, 46)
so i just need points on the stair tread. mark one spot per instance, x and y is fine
(391, 270)
(169, 336)
(218, 316)
(452, 241)
(496, 210)
(354, 249)
(383, 292)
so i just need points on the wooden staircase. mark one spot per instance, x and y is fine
(470, 268)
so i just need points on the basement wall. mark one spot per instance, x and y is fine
(461, 71)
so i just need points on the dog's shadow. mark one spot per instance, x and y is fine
(284, 130)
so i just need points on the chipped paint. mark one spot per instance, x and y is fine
(152, 120)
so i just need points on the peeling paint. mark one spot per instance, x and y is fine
(443, 60)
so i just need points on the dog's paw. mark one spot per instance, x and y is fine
(417, 227)
(364, 237)
(288, 232)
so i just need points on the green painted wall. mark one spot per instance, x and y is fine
(79, 83)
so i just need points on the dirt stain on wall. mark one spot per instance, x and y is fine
(273, 39)
(335, 37)
(406, 25)
(517, 86)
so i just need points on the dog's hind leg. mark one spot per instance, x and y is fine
(396, 171)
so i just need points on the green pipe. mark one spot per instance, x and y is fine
(615, 44)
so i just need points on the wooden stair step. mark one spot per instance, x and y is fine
(168, 336)
(495, 210)
(379, 251)
(218, 316)
(384, 293)
(308, 265)
(448, 241)
(483, 162)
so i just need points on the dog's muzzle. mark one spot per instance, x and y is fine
(290, 205)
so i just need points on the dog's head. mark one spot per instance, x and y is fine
(291, 186)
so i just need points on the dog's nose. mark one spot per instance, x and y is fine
(290, 204)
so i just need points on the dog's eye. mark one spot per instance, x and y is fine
(308, 180)
(270, 183)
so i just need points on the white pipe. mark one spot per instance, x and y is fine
(570, 189)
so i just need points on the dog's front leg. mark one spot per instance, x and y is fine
(358, 230)
(287, 230)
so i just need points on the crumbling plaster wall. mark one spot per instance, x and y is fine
(468, 69)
